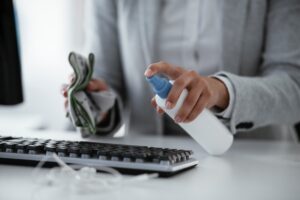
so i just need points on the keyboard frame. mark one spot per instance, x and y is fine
(164, 170)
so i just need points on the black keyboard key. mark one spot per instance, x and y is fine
(35, 148)
(42, 141)
(128, 156)
(74, 151)
(62, 150)
(2, 146)
(16, 140)
(3, 138)
(103, 154)
(85, 152)
(9, 147)
(52, 142)
(21, 148)
(50, 149)
(116, 155)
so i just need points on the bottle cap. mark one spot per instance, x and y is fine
(160, 86)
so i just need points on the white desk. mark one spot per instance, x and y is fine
(250, 170)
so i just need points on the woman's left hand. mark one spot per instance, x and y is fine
(204, 92)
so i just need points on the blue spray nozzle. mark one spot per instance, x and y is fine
(160, 86)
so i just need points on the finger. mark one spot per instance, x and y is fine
(96, 85)
(169, 70)
(199, 107)
(64, 90)
(188, 105)
(153, 102)
(178, 86)
(158, 109)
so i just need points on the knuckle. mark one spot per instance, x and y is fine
(201, 81)
(205, 82)
(163, 62)
(189, 101)
(102, 81)
(186, 109)
(179, 82)
(192, 73)
(151, 66)
(178, 69)
(180, 114)
(183, 114)
(172, 98)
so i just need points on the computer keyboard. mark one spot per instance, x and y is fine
(125, 158)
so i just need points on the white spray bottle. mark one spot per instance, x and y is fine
(206, 129)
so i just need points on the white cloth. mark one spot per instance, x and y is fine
(189, 35)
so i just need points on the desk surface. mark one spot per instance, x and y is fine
(250, 170)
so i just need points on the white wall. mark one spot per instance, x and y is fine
(48, 30)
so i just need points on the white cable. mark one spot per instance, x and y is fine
(82, 180)
(61, 162)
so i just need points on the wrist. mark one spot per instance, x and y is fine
(222, 94)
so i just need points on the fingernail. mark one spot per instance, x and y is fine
(177, 119)
(148, 72)
(168, 105)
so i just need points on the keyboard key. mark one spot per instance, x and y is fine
(50, 149)
(35, 148)
(62, 150)
(9, 147)
(74, 151)
(21, 148)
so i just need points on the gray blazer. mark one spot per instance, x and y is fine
(260, 56)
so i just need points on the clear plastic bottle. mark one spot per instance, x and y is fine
(206, 129)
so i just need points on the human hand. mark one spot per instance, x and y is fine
(203, 92)
(95, 85)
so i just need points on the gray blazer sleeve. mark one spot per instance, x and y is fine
(101, 38)
(272, 97)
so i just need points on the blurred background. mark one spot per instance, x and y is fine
(48, 30)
